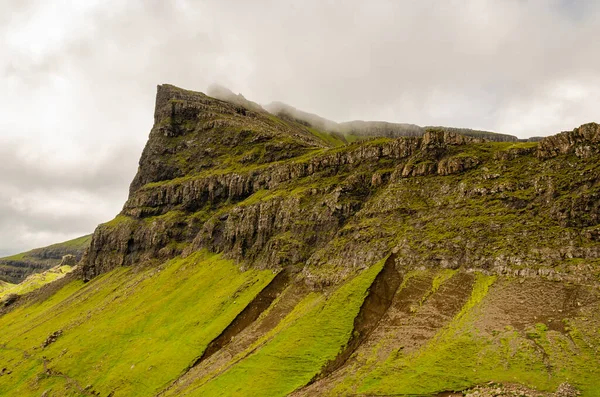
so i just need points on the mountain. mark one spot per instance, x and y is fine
(16, 268)
(253, 257)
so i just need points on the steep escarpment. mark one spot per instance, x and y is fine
(582, 142)
(16, 268)
(271, 214)
(442, 199)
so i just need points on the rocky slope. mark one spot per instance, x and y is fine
(255, 257)
(16, 268)
(442, 199)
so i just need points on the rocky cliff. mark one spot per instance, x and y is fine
(270, 193)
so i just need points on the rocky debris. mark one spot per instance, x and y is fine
(508, 390)
(566, 390)
(52, 338)
(68, 260)
(583, 142)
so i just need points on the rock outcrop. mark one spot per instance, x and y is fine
(264, 191)
(583, 142)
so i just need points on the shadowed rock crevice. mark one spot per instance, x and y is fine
(258, 305)
(377, 302)
(251, 312)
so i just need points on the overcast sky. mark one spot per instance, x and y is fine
(78, 80)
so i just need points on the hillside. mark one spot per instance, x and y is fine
(254, 257)
(35, 280)
(16, 268)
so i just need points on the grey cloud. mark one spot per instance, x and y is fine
(106, 173)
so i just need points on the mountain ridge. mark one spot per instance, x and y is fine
(16, 268)
(255, 257)
(355, 129)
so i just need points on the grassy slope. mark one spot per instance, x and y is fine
(4, 286)
(295, 351)
(133, 332)
(460, 356)
(127, 331)
(35, 281)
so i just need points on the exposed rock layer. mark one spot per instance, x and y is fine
(263, 190)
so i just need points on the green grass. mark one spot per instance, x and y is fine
(332, 140)
(127, 331)
(15, 257)
(295, 351)
(460, 356)
(5, 286)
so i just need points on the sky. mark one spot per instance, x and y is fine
(78, 80)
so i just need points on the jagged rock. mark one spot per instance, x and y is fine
(566, 390)
(9, 299)
(68, 260)
(52, 338)
(506, 390)
(583, 142)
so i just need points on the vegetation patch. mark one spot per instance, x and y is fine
(126, 331)
(296, 350)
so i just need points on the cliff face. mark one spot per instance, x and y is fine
(267, 192)
(583, 142)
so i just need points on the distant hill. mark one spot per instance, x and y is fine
(34, 281)
(16, 268)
